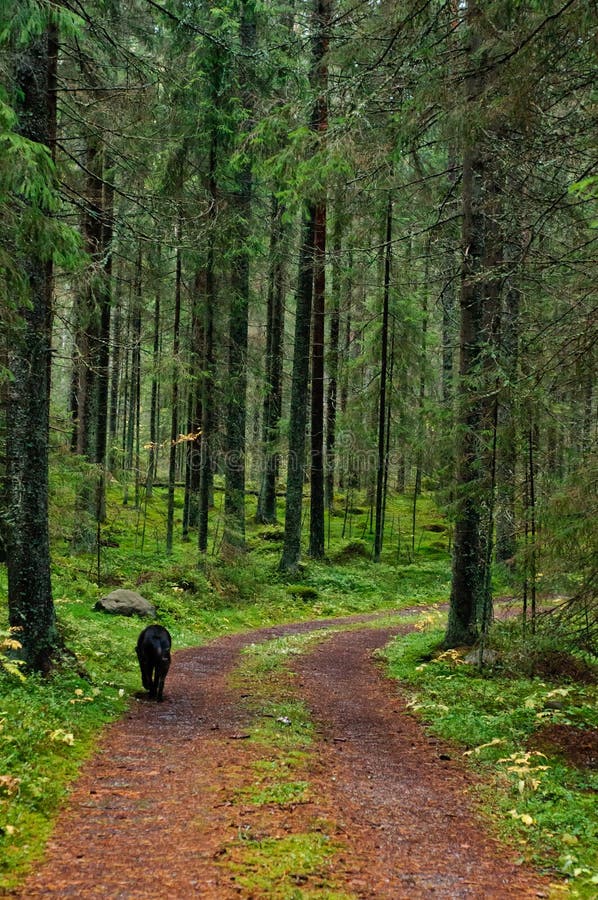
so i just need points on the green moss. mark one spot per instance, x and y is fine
(289, 868)
(278, 793)
(549, 808)
(302, 592)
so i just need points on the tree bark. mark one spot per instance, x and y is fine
(506, 540)
(316, 520)
(234, 491)
(174, 421)
(154, 436)
(333, 358)
(291, 554)
(193, 446)
(30, 604)
(319, 124)
(382, 447)
(469, 604)
(266, 508)
(206, 473)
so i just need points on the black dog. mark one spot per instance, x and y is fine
(153, 653)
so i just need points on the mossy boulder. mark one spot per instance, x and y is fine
(125, 603)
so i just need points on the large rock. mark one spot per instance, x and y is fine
(126, 603)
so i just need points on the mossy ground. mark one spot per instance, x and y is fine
(47, 727)
(546, 804)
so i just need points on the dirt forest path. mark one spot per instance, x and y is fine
(157, 809)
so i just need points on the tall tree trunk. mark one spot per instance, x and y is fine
(382, 448)
(154, 436)
(131, 433)
(89, 305)
(469, 604)
(115, 377)
(421, 425)
(30, 604)
(319, 124)
(174, 422)
(103, 376)
(206, 472)
(333, 356)
(506, 542)
(316, 520)
(266, 508)
(291, 554)
(193, 445)
(234, 486)
(93, 334)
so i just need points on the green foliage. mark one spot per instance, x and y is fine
(25, 20)
(284, 733)
(495, 719)
(8, 645)
(274, 867)
(46, 729)
(302, 592)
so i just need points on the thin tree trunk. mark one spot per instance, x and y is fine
(115, 372)
(506, 541)
(388, 424)
(154, 437)
(531, 562)
(316, 520)
(319, 124)
(266, 509)
(174, 422)
(103, 377)
(133, 380)
(291, 554)
(333, 357)
(235, 460)
(93, 310)
(421, 436)
(382, 448)
(209, 369)
(193, 444)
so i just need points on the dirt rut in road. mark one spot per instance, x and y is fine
(403, 804)
(154, 811)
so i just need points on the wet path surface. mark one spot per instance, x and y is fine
(153, 811)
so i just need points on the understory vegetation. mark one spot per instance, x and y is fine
(530, 733)
(497, 715)
(329, 268)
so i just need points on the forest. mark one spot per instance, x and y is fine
(299, 320)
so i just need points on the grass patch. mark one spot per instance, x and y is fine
(280, 793)
(536, 799)
(53, 723)
(286, 868)
(299, 865)
(281, 726)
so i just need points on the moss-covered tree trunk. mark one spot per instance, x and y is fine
(469, 602)
(31, 608)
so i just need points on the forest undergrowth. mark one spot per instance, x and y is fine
(519, 724)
